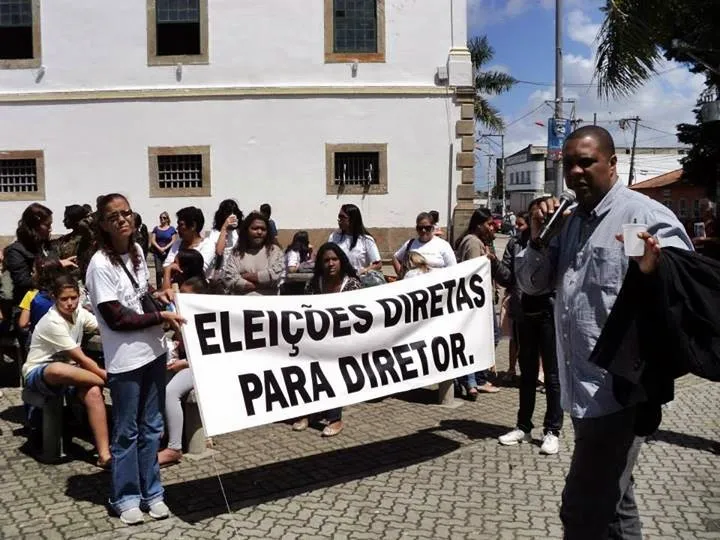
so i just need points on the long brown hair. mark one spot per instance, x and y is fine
(104, 241)
(27, 235)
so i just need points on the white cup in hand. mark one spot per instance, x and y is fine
(634, 246)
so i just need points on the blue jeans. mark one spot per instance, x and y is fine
(138, 398)
(479, 378)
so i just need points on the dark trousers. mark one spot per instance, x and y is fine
(537, 338)
(598, 501)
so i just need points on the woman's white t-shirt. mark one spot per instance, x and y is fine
(437, 252)
(127, 350)
(363, 254)
(206, 248)
(231, 239)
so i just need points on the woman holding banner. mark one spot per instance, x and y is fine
(131, 331)
(333, 274)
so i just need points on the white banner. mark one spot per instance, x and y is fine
(263, 359)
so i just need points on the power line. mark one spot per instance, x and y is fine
(658, 130)
(584, 85)
(526, 115)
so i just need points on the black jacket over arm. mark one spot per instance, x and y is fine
(675, 314)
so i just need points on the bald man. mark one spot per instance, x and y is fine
(586, 265)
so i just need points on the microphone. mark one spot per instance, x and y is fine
(554, 221)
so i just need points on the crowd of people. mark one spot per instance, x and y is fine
(558, 298)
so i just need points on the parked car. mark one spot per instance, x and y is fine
(497, 221)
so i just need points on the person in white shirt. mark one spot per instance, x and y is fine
(131, 332)
(190, 222)
(55, 360)
(437, 252)
(224, 233)
(355, 240)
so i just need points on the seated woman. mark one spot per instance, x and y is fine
(298, 252)
(333, 274)
(256, 263)
(179, 386)
(55, 360)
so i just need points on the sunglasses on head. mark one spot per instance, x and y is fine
(424, 228)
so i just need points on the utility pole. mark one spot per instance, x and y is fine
(502, 170)
(594, 119)
(558, 90)
(636, 119)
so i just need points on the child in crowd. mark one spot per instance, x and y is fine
(179, 386)
(418, 265)
(38, 301)
(56, 361)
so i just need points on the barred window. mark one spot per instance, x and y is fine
(22, 175)
(18, 176)
(357, 168)
(19, 33)
(180, 171)
(355, 26)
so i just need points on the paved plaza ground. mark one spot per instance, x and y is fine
(403, 468)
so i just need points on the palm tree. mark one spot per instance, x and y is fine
(637, 34)
(487, 83)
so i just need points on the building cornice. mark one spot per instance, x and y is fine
(136, 94)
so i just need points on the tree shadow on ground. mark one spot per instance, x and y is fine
(200, 499)
(472, 429)
(686, 441)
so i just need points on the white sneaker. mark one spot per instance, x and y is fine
(159, 510)
(516, 436)
(132, 516)
(550, 445)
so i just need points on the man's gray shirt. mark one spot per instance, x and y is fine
(586, 265)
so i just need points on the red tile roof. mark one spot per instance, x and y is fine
(659, 181)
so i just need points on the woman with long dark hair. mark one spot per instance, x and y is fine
(333, 274)
(131, 332)
(298, 252)
(255, 265)
(33, 240)
(224, 233)
(478, 241)
(356, 241)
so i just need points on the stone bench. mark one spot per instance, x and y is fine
(52, 425)
(194, 439)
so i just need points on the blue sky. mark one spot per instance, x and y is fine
(522, 32)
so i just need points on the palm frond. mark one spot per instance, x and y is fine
(628, 52)
(488, 115)
(493, 82)
(480, 51)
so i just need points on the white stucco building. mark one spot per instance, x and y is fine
(528, 170)
(304, 105)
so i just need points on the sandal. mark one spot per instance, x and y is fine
(472, 394)
(333, 429)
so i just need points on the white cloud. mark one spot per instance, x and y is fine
(482, 13)
(499, 68)
(581, 28)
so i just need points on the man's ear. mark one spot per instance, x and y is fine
(613, 160)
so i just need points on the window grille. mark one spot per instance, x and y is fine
(357, 168)
(355, 26)
(18, 176)
(178, 11)
(15, 13)
(180, 171)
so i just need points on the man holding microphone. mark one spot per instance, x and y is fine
(586, 264)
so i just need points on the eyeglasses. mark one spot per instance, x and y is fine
(424, 228)
(127, 215)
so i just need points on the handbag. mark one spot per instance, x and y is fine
(147, 302)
